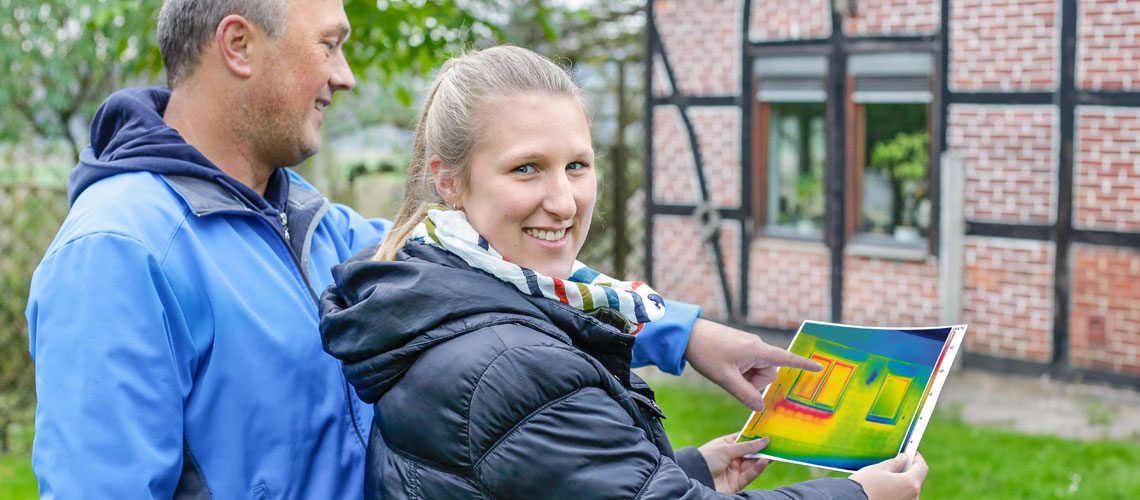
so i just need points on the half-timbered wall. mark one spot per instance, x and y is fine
(1037, 100)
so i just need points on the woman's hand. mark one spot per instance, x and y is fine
(888, 481)
(731, 471)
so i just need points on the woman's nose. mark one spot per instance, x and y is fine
(559, 199)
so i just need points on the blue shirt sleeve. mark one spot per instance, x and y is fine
(663, 342)
(113, 363)
(359, 231)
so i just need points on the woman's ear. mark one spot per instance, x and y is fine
(446, 185)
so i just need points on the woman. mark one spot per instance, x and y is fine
(499, 364)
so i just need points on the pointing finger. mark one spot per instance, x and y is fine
(781, 357)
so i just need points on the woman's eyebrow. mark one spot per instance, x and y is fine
(523, 157)
(526, 156)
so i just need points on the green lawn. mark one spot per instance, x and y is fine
(965, 461)
(16, 480)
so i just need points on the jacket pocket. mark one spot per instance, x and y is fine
(647, 405)
(649, 419)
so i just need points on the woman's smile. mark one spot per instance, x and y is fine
(547, 235)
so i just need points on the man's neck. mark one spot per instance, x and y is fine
(200, 121)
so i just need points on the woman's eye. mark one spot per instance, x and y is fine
(524, 169)
(578, 165)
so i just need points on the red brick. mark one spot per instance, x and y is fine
(790, 282)
(705, 60)
(1002, 46)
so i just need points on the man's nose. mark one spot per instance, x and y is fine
(341, 78)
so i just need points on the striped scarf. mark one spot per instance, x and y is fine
(586, 289)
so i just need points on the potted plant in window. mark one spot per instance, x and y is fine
(808, 189)
(903, 161)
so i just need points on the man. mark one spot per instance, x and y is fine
(173, 320)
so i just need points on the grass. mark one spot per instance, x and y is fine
(16, 479)
(965, 461)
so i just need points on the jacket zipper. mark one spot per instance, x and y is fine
(316, 300)
(297, 262)
(285, 227)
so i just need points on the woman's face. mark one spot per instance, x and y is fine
(531, 185)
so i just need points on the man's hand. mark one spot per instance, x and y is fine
(739, 361)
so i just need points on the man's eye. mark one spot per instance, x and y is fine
(525, 169)
(578, 165)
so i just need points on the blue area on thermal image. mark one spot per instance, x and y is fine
(921, 347)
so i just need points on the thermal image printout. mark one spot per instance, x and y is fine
(870, 402)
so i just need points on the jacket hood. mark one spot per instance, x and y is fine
(128, 134)
(378, 317)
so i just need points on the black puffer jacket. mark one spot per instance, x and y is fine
(482, 392)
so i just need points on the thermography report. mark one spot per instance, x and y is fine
(871, 401)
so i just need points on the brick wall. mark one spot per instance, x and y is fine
(731, 236)
(1108, 52)
(790, 19)
(718, 136)
(1010, 160)
(876, 17)
(882, 292)
(1104, 317)
(702, 41)
(1107, 177)
(1010, 157)
(791, 282)
(1007, 297)
(661, 85)
(674, 171)
(683, 266)
(1006, 45)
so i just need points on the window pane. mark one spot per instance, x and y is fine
(895, 198)
(796, 155)
(885, 409)
(834, 385)
(808, 382)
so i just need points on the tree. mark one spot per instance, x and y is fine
(63, 57)
(66, 56)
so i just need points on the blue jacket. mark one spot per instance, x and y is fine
(484, 392)
(173, 324)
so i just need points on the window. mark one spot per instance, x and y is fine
(796, 156)
(790, 145)
(889, 147)
(887, 151)
(888, 402)
(823, 389)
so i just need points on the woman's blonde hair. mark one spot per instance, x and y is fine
(448, 124)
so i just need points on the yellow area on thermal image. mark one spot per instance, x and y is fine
(890, 397)
(808, 382)
(836, 382)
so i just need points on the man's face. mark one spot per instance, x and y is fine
(302, 69)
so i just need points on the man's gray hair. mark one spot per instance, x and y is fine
(185, 26)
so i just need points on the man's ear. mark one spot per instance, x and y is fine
(235, 36)
(445, 185)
